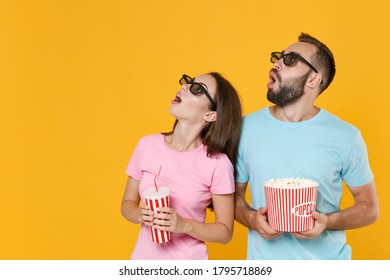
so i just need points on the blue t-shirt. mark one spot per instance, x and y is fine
(324, 149)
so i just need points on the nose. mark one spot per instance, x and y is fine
(278, 64)
(185, 87)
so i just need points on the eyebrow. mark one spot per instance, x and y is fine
(283, 52)
(204, 85)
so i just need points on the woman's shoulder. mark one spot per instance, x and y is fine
(152, 138)
(219, 159)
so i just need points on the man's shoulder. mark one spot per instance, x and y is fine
(255, 116)
(334, 126)
(337, 122)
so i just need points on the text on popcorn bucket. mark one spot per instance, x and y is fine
(304, 209)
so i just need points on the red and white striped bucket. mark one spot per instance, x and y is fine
(290, 208)
(155, 200)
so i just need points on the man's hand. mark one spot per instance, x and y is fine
(262, 225)
(319, 227)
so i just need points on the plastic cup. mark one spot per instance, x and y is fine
(290, 204)
(155, 200)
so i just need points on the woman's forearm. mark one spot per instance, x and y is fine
(208, 232)
(131, 211)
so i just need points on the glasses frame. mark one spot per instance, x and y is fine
(276, 56)
(187, 80)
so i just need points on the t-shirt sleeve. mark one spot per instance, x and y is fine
(223, 179)
(241, 171)
(134, 167)
(356, 170)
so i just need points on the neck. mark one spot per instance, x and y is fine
(183, 139)
(294, 112)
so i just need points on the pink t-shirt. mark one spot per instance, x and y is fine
(191, 178)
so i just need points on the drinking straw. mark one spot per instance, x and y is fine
(155, 179)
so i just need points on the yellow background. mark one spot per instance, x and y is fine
(82, 81)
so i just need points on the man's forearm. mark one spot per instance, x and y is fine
(359, 215)
(244, 214)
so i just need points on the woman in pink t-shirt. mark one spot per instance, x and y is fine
(197, 165)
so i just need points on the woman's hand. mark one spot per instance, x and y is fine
(146, 216)
(167, 219)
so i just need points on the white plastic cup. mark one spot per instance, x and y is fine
(155, 200)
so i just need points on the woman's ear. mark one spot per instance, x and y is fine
(210, 116)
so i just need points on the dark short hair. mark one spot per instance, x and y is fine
(323, 59)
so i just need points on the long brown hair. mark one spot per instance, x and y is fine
(223, 135)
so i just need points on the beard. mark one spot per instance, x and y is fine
(288, 92)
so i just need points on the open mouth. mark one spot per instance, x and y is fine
(272, 77)
(177, 98)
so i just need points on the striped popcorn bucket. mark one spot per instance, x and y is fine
(155, 200)
(290, 208)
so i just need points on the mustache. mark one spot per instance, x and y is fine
(276, 73)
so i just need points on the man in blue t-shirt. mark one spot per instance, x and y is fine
(296, 139)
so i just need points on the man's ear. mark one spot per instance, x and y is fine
(210, 116)
(314, 80)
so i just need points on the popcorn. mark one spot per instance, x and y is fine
(291, 183)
